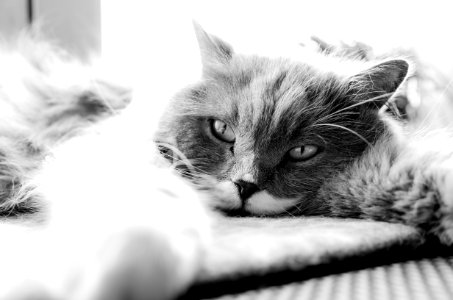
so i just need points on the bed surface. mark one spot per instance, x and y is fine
(320, 258)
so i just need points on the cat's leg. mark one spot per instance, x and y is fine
(442, 179)
(413, 188)
(421, 188)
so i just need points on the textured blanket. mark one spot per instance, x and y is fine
(252, 252)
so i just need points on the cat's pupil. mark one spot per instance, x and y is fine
(222, 131)
(303, 153)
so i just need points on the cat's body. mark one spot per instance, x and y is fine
(107, 202)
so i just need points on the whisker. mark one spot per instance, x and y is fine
(336, 116)
(355, 105)
(323, 139)
(347, 129)
(103, 98)
(446, 88)
(289, 213)
(298, 208)
(435, 107)
(180, 156)
(184, 164)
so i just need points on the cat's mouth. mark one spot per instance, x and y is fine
(260, 203)
(236, 213)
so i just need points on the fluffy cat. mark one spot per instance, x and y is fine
(275, 136)
(259, 135)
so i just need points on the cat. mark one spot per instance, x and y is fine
(75, 152)
(274, 136)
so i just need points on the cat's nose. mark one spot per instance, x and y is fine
(245, 189)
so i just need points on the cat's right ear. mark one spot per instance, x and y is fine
(377, 84)
(215, 53)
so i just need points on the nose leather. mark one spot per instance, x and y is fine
(245, 189)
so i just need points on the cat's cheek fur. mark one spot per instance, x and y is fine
(263, 203)
(224, 196)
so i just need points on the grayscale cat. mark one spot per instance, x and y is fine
(282, 137)
(84, 187)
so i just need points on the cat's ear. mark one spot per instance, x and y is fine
(214, 51)
(377, 84)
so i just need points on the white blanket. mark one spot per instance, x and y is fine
(254, 246)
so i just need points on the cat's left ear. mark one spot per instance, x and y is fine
(377, 84)
(215, 53)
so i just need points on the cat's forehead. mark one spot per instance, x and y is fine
(280, 88)
(280, 78)
(253, 69)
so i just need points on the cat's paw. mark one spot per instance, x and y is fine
(138, 264)
(108, 257)
(149, 247)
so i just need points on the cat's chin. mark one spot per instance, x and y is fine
(261, 203)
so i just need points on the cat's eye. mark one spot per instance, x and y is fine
(222, 131)
(303, 153)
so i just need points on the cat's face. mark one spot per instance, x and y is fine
(265, 134)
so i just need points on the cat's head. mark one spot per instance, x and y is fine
(263, 135)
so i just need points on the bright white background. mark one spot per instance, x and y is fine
(425, 25)
(153, 41)
(125, 29)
